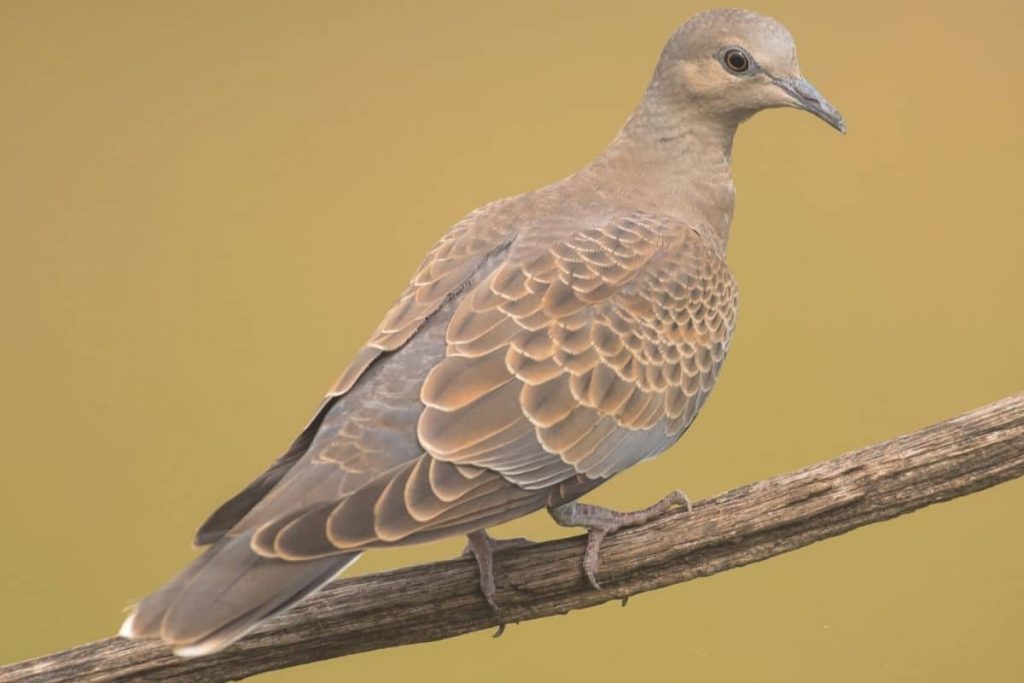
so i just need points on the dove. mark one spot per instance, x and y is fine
(548, 342)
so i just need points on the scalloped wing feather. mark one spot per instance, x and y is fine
(605, 343)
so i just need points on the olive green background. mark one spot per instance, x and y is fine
(205, 208)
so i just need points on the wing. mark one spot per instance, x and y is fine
(584, 359)
(446, 268)
(556, 370)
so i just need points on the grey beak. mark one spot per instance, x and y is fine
(809, 99)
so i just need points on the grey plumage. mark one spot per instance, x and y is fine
(548, 342)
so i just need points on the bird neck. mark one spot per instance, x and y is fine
(671, 161)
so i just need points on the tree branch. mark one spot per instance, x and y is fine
(954, 458)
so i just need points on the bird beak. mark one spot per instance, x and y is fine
(806, 96)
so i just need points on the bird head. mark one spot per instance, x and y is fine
(731, 64)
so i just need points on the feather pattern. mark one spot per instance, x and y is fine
(607, 342)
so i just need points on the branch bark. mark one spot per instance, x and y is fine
(954, 458)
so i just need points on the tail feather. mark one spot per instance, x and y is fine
(224, 593)
(145, 619)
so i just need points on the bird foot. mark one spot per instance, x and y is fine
(481, 546)
(601, 521)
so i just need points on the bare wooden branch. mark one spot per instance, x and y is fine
(430, 602)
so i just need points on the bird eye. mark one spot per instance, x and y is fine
(736, 60)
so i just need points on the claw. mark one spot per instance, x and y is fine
(497, 545)
(592, 556)
(483, 547)
(600, 521)
(680, 498)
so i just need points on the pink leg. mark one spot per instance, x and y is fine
(483, 547)
(601, 521)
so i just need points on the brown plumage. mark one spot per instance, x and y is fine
(547, 342)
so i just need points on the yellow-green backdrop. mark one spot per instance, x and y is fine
(205, 207)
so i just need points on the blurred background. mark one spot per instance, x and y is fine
(206, 207)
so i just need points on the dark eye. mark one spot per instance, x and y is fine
(736, 60)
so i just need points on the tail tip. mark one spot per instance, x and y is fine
(127, 629)
(200, 649)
